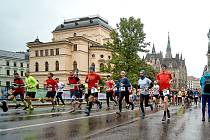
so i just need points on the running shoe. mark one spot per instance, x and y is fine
(164, 118)
(17, 106)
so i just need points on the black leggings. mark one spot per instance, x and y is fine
(144, 99)
(122, 95)
(109, 96)
(59, 95)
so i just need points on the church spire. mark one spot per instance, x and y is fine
(168, 50)
(153, 49)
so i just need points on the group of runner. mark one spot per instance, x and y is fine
(147, 91)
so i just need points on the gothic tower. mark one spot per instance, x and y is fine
(168, 50)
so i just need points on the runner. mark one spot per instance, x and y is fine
(117, 90)
(18, 89)
(195, 95)
(74, 81)
(156, 93)
(205, 86)
(179, 96)
(51, 86)
(144, 84)
(92, 79)
(109, 91)
(164, 79)
(3, 106)
(31, 85)
(60, 91)
(124, 85)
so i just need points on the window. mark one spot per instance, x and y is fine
(74, 65)
(15, 71)
(46, 52)
(101, 67)
(36, 67)
(109, 57)
(75, 47)
(51, 52)
(21, 64)
(46, 66)
(0, 83)
(57, 51)
(21, 73)
(7, 63)
(36, 53)
(7, 83)
(27, 65)
(8, 72)
(93, 55)
(41, 53)
(15, 64)
(75, 34)
(57, 66)
(102, 56)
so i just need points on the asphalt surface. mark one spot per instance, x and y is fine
(64, 125)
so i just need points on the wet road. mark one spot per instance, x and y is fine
(62, 125)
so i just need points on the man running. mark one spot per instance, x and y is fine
(195, 96)
(164, 79)
(124, 92)
(109, 91)
(205, 86)
(74, 81)
(31, 85)
(3, 106)
(144, 84)
(156, 93)
(60, 91)
(51, 86)
(18, 89)
(92, 79)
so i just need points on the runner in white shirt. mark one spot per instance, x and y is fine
(144, 84)
(60, 91)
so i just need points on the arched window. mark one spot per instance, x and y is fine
(36, 67)
(94, 66)
(46, 66)
(102, 67)
(56, 66)
(74, 65)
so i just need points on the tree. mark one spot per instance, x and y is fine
(127, 40)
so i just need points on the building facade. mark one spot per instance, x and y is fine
(193, 82)
(76, 45)
(176, 65)
(10, 63)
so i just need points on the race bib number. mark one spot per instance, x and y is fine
(142, 89)
(165, 92)
(71, 86)
(49, 89)
(196, 96)
(122, 88)
(94, 90)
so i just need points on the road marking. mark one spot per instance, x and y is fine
(61, 121)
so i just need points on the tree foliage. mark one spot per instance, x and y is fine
(126, 41)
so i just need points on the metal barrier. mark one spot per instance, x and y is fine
(41, 93)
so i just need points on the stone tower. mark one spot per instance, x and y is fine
(168, 50)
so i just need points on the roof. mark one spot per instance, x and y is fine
(14, 55)
(83, 22)
(156, 55)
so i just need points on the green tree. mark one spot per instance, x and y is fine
(127, 40)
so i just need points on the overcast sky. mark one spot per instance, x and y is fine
(188, 22)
